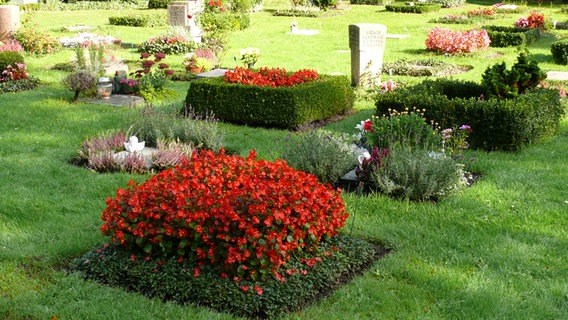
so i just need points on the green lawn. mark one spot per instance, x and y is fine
(498, 250)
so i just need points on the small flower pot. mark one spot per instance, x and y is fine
(196, 69)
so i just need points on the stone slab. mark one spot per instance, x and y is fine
(213, 73)
(557, 75)
(119, 100)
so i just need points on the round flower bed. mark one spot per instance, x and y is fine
(245, 215)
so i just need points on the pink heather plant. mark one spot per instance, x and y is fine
(11, 45)
(450, 41)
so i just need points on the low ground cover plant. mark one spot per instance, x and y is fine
(172, 137)
(309, 276)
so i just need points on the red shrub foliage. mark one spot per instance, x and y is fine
(274, 77)
(246, 215)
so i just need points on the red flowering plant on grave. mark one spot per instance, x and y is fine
(535, 20)
(246, 215)
(14, 73)
(273, 77)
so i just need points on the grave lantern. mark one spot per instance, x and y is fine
(104, 87)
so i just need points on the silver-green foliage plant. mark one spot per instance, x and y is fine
(418, 175)
(152, 125)
(323, 153)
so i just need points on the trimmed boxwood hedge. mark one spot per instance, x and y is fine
(284, 107)
(416, 8)
(559, 50)
(154, 20)
(498, 124)
(502, 36)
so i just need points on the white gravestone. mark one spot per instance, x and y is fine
(367, 43)
(184, 14)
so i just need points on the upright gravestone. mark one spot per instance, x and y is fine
(183, 13)
(367, 44)
(9, 20)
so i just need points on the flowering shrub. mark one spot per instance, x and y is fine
(168, 44)
(408, 128)
(454, 141)
(34, 40)
(11, 45)
(522, 23)
(487, 13)
(150, 82)
(245, 215)
(14, 74)
(274, 77)
(449, 41)
(535, 20)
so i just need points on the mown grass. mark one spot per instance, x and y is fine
(497, 250)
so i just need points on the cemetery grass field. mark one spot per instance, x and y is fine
(497, 250)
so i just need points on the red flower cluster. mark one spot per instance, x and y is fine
(536, 20)
(14, 74)
(213, 6)
(274, 77)
(247, 215)
(482, 12)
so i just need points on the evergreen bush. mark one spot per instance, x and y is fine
(498, 124)
(284, 107)
(502, 36)
(559, 50)
(10, 58)
(415, 8)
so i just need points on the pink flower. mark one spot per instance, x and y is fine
(465, 127)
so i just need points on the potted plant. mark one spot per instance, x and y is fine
(198, 64)
(249, 56)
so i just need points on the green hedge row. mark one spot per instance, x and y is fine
(284, 107)
(559, 50)
(416, 8)
(154, 20)
(502, 36)
(158, 4)
(371, 2)
(498, 124)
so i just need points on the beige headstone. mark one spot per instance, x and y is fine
(9, 20)
(367, 43)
